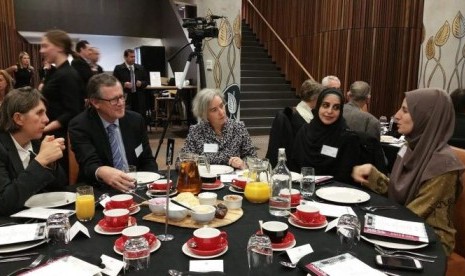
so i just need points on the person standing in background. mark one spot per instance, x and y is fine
(22, 72)
(134, 79)
(63, 90)
(94, 57)
(81, 63)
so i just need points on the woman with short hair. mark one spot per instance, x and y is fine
(426, 172)
(27, 166)
(221, 140)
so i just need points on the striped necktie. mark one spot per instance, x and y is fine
(118, 161)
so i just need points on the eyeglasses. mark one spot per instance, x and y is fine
(116, 100)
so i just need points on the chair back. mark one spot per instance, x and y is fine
(459, 215)
(73, 164)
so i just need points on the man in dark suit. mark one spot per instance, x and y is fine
(27, 166)
(106, 138)
(94, 58)
(134, 79)
(81, 61)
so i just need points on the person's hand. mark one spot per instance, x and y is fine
(128, 85)
(236, 162)
(138, 83)
(116, 178)
(51, 150)
(360, 173)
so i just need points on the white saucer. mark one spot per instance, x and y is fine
(291, 221)
(231, 188)
(99, 230)
(135, 211)
(155, 247)
(149, 194)
(186, 251)
(221, 186)
(285, 248)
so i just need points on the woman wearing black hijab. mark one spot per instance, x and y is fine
(327, 144)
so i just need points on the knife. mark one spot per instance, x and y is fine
(14, 259)
(19, 255)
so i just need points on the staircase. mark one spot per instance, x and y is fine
(264, 90)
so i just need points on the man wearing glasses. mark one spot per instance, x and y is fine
(106, 138)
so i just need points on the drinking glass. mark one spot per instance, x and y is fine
(348, 230)
(85, 203)
(307, 183)
(259, 255)
(383, 121)
(136, 254)
(57, 233)
(133, 170)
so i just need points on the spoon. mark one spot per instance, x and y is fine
(102, 197)
(295, 217)
(287, 264)
(174, 272)
(261, 226)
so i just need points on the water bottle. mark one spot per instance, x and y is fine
(280, 204)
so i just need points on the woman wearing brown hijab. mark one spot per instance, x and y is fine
(426, 172)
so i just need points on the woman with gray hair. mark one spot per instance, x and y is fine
(221, 140)
(27, 166)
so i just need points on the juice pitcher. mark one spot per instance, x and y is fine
(189, 177)
(257, 189)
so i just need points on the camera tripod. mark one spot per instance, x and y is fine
(197, 53)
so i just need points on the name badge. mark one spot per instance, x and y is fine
(138, 150)
(329, 151)
(213, 148)
(402, 151)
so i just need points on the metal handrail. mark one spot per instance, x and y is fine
(280, 40)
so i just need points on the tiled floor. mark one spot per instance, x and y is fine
(179, 134)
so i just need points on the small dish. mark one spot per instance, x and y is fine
(296, 224)
(232, 189)
(186, 250)
(212, 187)
(156, 193)
(314, 223)
(288, 242)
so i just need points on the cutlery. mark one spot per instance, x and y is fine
(19, 255)
(101, 197)
(35, 263)
(375, 208)
(295, 217)
(261, 226)
(8, 224)
(423, 259)
(9, 260)
(391, 252)
(182, 205)
(287, 264)
(174, 272)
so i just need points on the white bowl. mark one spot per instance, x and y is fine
(157, 205)
(176, 212)
(207, 198)
(203, 213)
(233, 201)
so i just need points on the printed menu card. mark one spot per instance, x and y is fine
(344, 264)
(395, 228)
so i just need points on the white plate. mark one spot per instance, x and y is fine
(342, 195)
(231, 188)
(394, 245)
(163, 193)
(296, 176)
(186, 251)
(216, 169)
(285, 248)
(145, 177)
(50, 200)
(19, 247)
(155, 247)
(135, 211)
(221, 186)
(291, 221)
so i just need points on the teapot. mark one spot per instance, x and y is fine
(189, 176)
(258, 189)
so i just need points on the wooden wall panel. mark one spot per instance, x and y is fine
(375, 41)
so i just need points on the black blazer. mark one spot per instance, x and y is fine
(83, 68)
(89, 141)
(121, 72)
(18, 184)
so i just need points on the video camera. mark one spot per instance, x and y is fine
(201, 27)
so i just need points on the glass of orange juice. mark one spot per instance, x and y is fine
(85, 203)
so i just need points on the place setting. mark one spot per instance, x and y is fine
(280, 236)
(123, 201)
(136, 232)
(159, 188)
(307, 217)
(206, 243)
(114, 222)
(210, 182)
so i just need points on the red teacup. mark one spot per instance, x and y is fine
(116, 217)
(294, 194)
(120, 202)
(160, 185)
(240, 182)
(138, 231)
(307, 213)
(208, 238)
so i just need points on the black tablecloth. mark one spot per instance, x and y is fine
(235, 259)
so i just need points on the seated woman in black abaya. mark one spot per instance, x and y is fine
(327, 144)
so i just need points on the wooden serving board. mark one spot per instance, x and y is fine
(188, 222)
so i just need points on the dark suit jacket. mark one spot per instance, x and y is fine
(83, 69)
(89, 141)
(18, 184)
(121, 72)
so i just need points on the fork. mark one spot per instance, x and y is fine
(374, 208)
(35, 263)
(392, 252)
